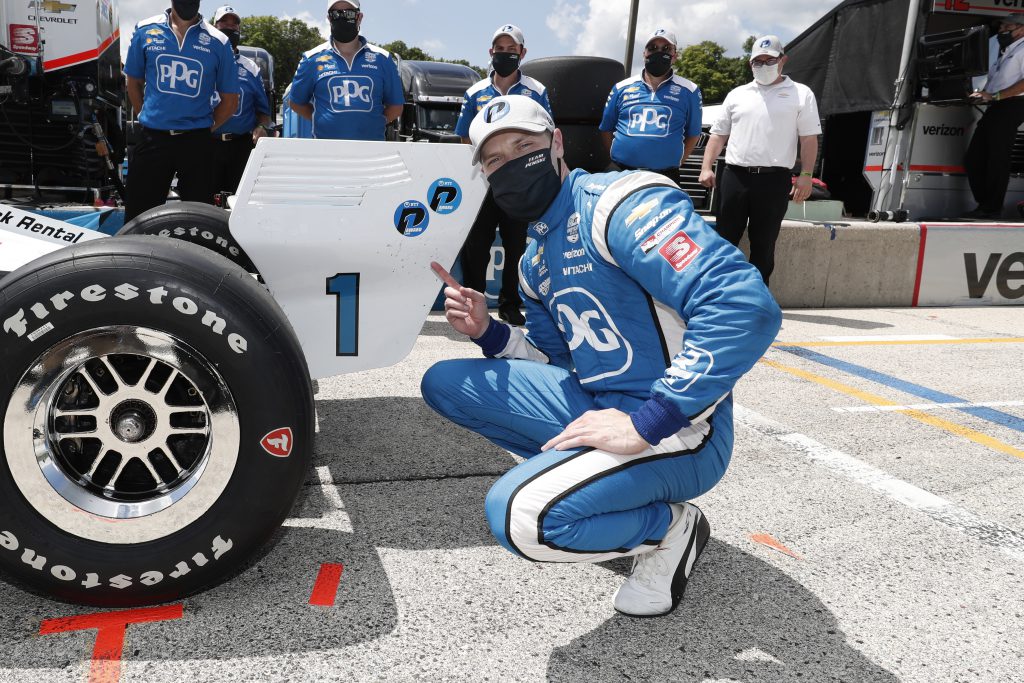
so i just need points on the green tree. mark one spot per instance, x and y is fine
(404, 51)
(706, 65)
(284, 39)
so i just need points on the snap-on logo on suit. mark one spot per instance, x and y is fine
(350, 93)
(278, 442)
(179, 75)
(585, 321)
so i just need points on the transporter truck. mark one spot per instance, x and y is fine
(61, 95)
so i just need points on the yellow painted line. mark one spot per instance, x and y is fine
(918, 415)
(896, 342)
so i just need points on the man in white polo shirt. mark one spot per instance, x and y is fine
(764, 122)
(988, 155)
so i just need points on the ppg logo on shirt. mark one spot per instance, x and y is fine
(179, 75)
(350, 93)
(650, 121)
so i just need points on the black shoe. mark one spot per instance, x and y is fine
(980, 214)
(512, 316)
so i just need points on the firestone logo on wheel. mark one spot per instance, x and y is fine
(279, 442)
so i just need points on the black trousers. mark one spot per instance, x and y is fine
(670, 173)
(755, 202)
(476, 252)
(987, 161)
(154, 160)
(230, 158)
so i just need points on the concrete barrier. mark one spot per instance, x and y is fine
(844, 264)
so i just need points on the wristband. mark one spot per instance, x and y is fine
(803, 173)
(995, 96)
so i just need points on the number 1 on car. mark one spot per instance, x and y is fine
(345, 286)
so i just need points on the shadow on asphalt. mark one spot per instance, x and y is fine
(741, 620)
(415, 482)
(835, 321)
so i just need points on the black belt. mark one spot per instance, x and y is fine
(229, 137)
(759, 169)
(191, 131)
(624, 167)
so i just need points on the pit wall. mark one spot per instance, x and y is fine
(845, 264)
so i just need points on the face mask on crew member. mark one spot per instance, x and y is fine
(344, 30)
(234, 37)
(186, 9)
(505, 63)
(658, 64)
(765, 74)
(525, 187)
(1005, 39)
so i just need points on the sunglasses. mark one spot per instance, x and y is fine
(663, 48)
(336, 14)
(772, 61)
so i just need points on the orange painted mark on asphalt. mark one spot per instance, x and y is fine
(774, 544)
(110, 627)
(325, 590)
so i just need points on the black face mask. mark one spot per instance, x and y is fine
(525, 187)
(505, 63)
(186, 9)
(658, 64)
(344, 30)
(234, 37)
(1005, 39)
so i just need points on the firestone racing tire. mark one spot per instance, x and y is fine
(193, 222)
(157, 421)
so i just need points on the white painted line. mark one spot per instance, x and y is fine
(941, 510)
(335, 518)
(890, 338)
(926, 406)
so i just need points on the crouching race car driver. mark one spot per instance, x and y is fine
(639, 321)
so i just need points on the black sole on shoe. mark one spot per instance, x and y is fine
(699, 539)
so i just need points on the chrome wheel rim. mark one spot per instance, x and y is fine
(121, 434)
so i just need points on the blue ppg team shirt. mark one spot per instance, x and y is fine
(482, 92)
(348, 99)
(180, 80)
(252, 100)
(650, 125)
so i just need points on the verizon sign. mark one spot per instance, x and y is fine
(970, 266)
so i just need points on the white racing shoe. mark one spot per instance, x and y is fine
(659, 576)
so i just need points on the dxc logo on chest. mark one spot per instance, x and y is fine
(589, 329)
(179, 75)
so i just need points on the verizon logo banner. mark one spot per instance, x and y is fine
(970, 266)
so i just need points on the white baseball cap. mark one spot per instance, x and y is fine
(222, 12)
(332, 3)
(513, 32)
(664, 34)
(767, 45)
(509, 112)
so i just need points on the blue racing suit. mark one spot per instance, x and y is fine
(632, 302)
